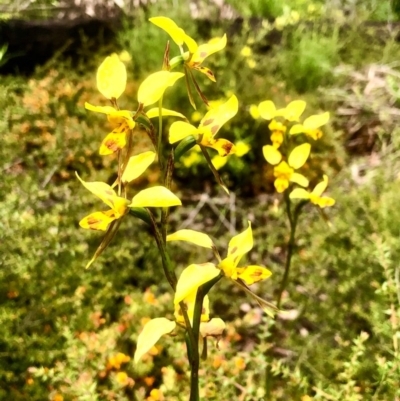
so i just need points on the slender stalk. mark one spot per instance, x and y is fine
(293, 216)
(195, 363)
(160, 134)
(166, 262)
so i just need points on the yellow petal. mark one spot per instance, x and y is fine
(242, 148)
(190, 43)
(121, 117)
(205, 71)
(316, 121)
(293, 110)
(112, 143)
(154, 112)
(151, 333)
(107, 195)
(240, 244)
(299, 193)
(217, 117)
(100, 109)
(137, 165)
(192, 278)
(297, 129)
(272, 155)
(177, 34)
(154, 86)
(253, 274)
(111, 77)
(222, 146)
(98, 220)
(180, 130)
(192, 236)
(281, 184)
(299, 155)
(213, 328)
(205, 50)
(323, 201)
(267, 110)
(155, 197)
(321, 187)
(254, 112)
(219, 161)
(299, 179)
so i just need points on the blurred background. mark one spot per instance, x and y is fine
(69, 334)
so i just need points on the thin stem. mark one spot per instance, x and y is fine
(166, 262)
(160, 132)
(195, 363)
(293, 217)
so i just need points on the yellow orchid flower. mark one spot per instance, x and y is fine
(238, 246)
(291, 112)
(284, 172)
(111, 77)
(156, 328)
(194, 57)
(157, 196)
(311, 126)
(315, 195)
(121, 121)
(101, 220)
(196, 275)
(208, 128)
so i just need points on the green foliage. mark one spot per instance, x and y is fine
(309, 58)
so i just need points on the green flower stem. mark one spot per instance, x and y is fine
(195, 363)
(160, 132)
(166, 261)
(293, 216)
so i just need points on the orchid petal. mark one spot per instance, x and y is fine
(180, 130)
(299, 179)
(98, 220)
(253, 274)
(299, 155)
(151, 333)
(240, 244)
(271, 154)
(154, 112)
(112, 143)
(177, 34)
(154, 86)
(192, 278)
(267, 109)
(299, 193)
(157, 196)
(137, 165)
(192, 236)
(216, 118)
(111, 77)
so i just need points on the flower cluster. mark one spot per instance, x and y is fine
(287, 157)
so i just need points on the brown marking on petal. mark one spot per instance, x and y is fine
(112, 145)
(203, 54)
(233, 250)
(208, 122)
(214, 129)
(109, 192)
(256, 273)
(227, 147)
(93, 223)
